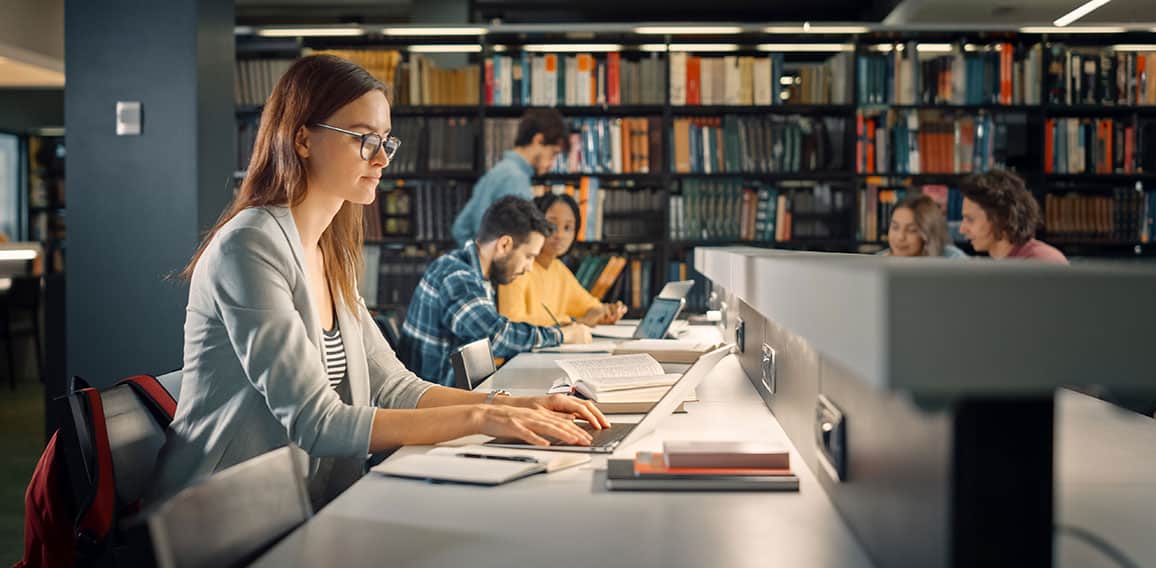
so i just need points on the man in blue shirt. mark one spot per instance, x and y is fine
(542, 135)
(454, 303)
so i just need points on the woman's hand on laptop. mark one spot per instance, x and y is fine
(530, 425)
(568, 406)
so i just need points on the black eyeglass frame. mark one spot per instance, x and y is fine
(371, 140)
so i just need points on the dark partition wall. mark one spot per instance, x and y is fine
(137, 204)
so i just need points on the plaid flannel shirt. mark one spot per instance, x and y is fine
(454, 305)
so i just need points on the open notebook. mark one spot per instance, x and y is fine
(479, 465)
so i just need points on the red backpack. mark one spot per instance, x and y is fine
(91, 474)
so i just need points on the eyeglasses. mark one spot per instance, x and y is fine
(371, 143)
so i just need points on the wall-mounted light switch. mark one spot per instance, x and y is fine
(128, 118)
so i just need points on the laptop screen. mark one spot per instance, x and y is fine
(658, 318)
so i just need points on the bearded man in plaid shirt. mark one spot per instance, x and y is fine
(454, 303)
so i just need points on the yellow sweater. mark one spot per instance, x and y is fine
(555, 285)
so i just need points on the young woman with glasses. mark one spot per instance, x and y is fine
(279, 347)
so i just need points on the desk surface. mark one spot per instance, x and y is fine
(1105, 481)
(567, 518)
(1106, 484)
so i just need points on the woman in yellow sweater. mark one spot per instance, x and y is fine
(550, 283)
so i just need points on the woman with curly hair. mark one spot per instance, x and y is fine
(1000, 217)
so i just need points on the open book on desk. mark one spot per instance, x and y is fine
(477, 464)
(622, 384)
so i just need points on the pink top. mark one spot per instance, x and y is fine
(1038, 250)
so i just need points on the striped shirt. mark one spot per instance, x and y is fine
(335, 362)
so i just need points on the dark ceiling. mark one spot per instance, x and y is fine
(288, 12)
(547, 11)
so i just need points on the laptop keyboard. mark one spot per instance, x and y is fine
(603, 437)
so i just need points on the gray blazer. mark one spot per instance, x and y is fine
(253, 377)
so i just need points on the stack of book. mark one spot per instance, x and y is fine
(1098, 145)
(757, 144)
(1122, 217)
(422, 210)
(383, 64)
(971, 75)
(612, 146)
(705, 466)
(582, 79)
(420, 82)
(751, 80)
(1101, 76)
(936, 142)
(255, 78)
(731, 209)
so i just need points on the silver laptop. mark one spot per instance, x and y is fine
(676, 289)
(607, 439)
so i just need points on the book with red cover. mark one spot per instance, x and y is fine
(653, 464)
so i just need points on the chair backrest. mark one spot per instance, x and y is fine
(111, 440)
(233, 516)
(473, 363)
(389, 321)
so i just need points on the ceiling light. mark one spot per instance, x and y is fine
(464, 48)
(688, 30)
(934, 48)
(571, 47)
(1072, 30)
(429, 31)
(808, 28)
(805, 47)
(310, 32)
(1079, 12)
(690, 47)
(1135, 47)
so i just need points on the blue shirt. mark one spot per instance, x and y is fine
(511, 176)
(454, 305)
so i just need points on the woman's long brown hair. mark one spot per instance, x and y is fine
(311, 91)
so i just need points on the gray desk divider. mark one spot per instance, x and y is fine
(943, 373)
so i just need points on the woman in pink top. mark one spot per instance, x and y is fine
(1000, 217)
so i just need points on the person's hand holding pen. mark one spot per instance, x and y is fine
(572, 332)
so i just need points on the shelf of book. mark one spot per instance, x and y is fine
(705, 132)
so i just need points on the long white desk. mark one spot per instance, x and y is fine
(1105, 481)
(567, 518)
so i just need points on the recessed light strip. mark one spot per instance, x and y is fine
(688, 30)
(1079, 12)
(310, 32)
(805, 47)
(450, 48)
(438, 31)
(571, 47)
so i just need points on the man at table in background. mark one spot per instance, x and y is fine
(542, 136)
(454, 303)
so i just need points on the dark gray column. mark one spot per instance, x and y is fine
(137, 205)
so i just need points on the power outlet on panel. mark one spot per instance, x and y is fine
(741, 335)
(768, 369)
(831, 438)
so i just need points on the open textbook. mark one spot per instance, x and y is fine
(619, 378)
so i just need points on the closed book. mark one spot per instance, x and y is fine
(654, 464)
(620, 477)
(704, 453)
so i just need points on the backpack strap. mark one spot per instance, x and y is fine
(160, 402)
